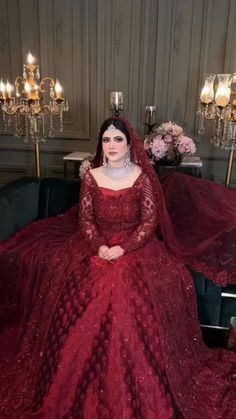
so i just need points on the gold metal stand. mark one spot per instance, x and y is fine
(229, 168)
(37, 158)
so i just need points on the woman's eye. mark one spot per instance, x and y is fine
(105, 140)
(119, 139)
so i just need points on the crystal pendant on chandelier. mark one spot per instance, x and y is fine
(218, 104)
(35, 102)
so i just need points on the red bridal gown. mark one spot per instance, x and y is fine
(94, 339)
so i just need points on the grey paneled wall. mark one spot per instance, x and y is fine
(64, 52)
(156, 52)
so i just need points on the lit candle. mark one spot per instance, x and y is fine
(207, 93)
(58, 90)
(27, 89)
(3, 89)
(9, 89)
(222, 96)
(30, 58)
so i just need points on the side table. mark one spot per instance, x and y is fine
(76, 157)
(190, 165)
(194, 163)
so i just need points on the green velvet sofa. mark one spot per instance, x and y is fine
(27, 199)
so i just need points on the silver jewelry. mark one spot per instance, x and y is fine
(111, 127)
(118, 173)
(127, 157)
(104, 160)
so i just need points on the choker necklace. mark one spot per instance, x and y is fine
(118, 173)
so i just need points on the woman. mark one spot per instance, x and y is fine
(109, 327)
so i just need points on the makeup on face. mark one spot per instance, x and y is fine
(114, 144)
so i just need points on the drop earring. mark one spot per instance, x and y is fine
(104, 160)
(127, 157)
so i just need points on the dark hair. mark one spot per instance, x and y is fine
(118, 124)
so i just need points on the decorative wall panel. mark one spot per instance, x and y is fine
(64, 52)
(155, 51)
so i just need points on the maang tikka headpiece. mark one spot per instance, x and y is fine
(111, 127)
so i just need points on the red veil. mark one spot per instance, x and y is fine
(199, 226)
(201, 380)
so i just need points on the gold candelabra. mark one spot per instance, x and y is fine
(34, 102)
(218, 103)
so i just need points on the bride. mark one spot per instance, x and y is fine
(99, 314)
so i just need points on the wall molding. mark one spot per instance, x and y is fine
(43, 149)
(10, 171)
(155, 51)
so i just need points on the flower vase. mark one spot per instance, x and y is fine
(165, 166)
(171, 159)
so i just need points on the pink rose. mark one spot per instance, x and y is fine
(158, 147)
(185, 145)
(168, 139)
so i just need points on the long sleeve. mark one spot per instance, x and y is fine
(148, 219)
(87, 221)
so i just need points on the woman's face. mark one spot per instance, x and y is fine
(114, 145)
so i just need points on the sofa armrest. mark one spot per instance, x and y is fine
(18, 205)
(216, 305)
(209, 300)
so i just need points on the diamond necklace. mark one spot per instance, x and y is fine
(118, 173)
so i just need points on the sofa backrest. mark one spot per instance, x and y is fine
(28, 198)
(18, 205)
(56, 195)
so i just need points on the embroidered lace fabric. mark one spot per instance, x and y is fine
(86, 338)
(92, 339)
(137, 237)
(199, 226)
(203, 217)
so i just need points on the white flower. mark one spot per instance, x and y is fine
(146, 144)
(84, 167)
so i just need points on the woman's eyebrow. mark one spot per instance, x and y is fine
(108, 138)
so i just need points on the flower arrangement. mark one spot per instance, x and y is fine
(168, 143)
(85, 166)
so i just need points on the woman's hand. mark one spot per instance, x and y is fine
(110, 253)
(102, 251)
(114, 253)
